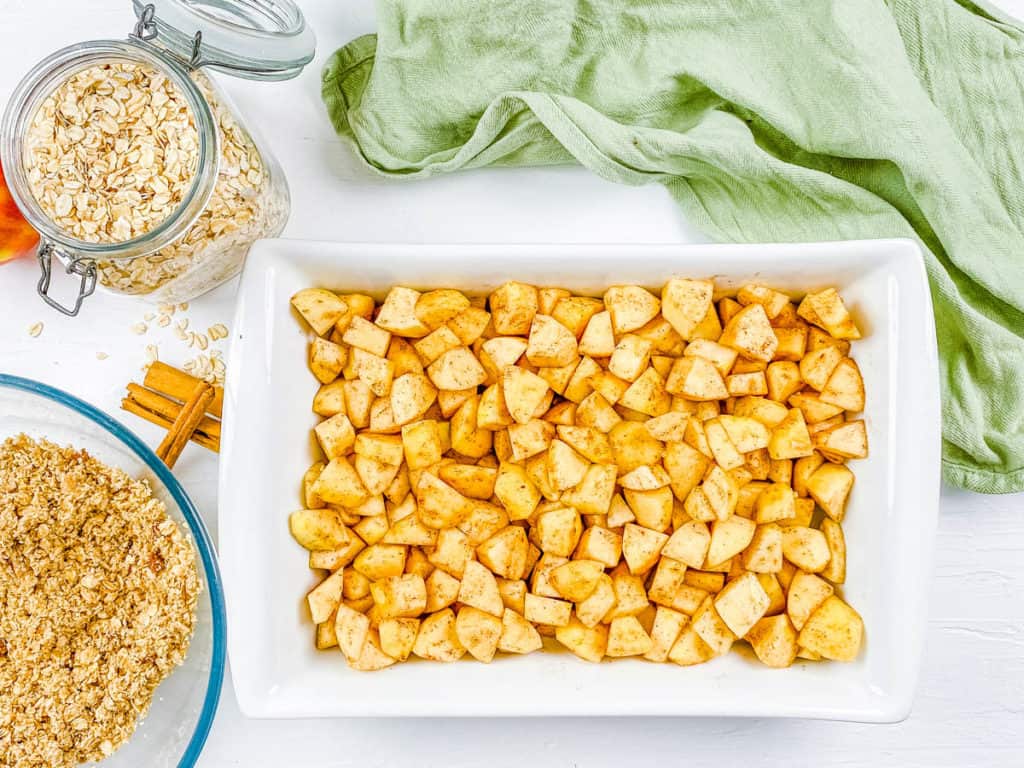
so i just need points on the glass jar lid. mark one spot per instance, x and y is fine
(254, 39)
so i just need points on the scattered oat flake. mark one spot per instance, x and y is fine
(208, 367)
(139, 329)
(148, 316)
(102, 355)
(164, 321)
(35, 329)
(183, 307)
(217, 331)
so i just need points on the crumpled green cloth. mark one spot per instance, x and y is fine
(781, 120)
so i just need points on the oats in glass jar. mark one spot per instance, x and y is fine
(112, 152)
(244, 206)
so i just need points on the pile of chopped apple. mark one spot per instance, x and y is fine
(632, 476)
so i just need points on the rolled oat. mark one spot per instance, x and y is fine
(217, 331)
(207, 366)
(112, 152)
(243, 207)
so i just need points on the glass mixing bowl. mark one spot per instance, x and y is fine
(175, 729)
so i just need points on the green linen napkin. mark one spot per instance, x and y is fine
(778, 120)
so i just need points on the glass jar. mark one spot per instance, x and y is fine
(236, 193)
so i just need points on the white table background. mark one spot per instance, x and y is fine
(970, 703)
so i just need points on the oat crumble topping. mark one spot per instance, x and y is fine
(98, 590)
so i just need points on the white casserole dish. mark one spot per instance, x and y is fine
(890, 520)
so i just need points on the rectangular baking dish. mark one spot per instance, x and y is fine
(889, 525)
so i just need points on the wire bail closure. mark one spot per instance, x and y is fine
(145, 27)
(146, 31)
(84, 268)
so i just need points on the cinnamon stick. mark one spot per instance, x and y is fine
(169, 409)
(181, 431)
(180, 385)
(198, 437)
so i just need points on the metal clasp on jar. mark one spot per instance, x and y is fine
(84, 268)
(147, 31)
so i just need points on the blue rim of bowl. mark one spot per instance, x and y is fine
(199, 533)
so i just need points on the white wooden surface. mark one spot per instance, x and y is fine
(970, 705)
